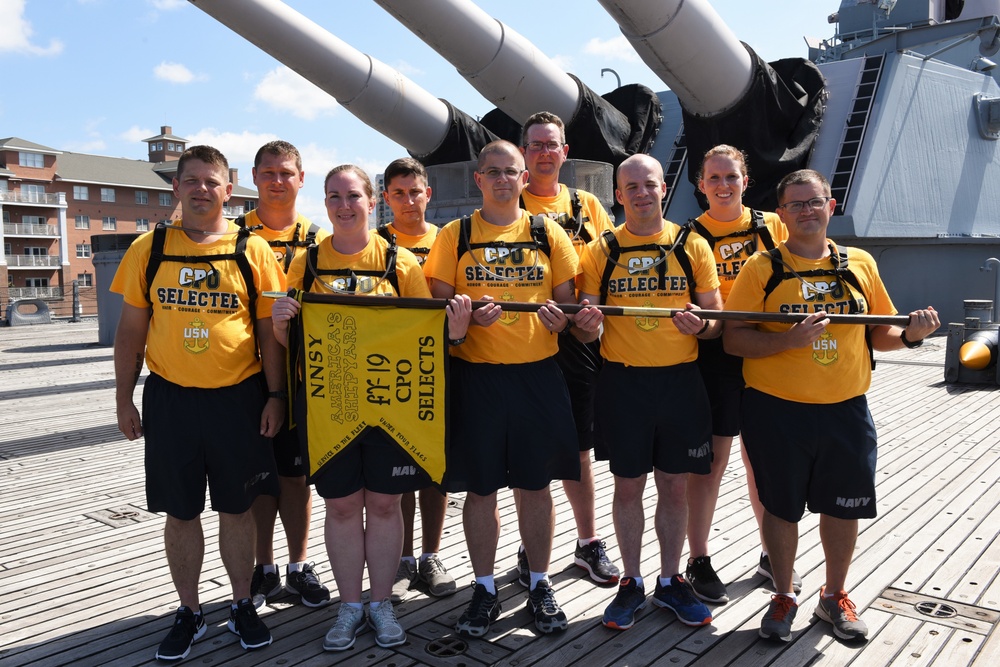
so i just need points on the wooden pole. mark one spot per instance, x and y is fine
(609, 311)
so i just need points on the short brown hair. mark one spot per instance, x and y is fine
(543, 118)
(499, 146)
(206, 154)
(278, 148)
(801, 177)
(404, 166)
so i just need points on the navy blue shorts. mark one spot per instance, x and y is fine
(192, 434)
(654, 417)
(818, 455)
(580, 363)
(723, 376)
(289, 455)
(374, 462)
(511, 426)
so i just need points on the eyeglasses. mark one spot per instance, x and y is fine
(509, 173)
(794, 207)
(539, 146)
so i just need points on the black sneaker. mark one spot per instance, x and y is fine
(543, 606)
(188, 626)
(705, 582)
(764, 568)
(243, 621)
(305, 584)
(263, 586)
(483, 610)
(592, 558)
(523, 571)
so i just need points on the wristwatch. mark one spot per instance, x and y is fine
(566, 330)
(456, 341)
(280, 395)
(910, 343)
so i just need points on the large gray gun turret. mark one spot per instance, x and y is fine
(520, 80)
(384, 99)
(727, 94)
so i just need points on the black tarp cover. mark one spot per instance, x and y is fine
(464, 140)
(775, 124)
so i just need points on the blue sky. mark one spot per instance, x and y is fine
(98, 76)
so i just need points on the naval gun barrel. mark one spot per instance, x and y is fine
(728, 95)
(376, 93)
(520, 80)
(687, 44)
(497, 61)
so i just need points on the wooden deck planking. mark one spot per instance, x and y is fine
(78, 592)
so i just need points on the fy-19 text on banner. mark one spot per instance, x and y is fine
(375, 365)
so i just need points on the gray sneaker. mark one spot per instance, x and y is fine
(777, 621)
(433, 573)
(406, 576)
(388, 631)
(350, 623)
(764, 568)
(840, 612)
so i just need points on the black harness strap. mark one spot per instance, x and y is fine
(539, 238)
(840, 270)
(313, 270)
(419, 252)
(615, 251)
(239, 255)
(757, 228)
(290, 245)
(576, 220)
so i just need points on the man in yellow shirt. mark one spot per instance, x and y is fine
(650, 364)
(581, 214)
(407, 194)
(278, 175)
(804, 419)
(511, 421)
(215, 395)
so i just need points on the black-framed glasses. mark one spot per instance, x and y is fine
(509, 173)
(816, 204)
(539, 146)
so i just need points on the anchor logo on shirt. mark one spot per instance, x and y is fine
(825, 349)
(507, 317)
(196, 336)
(647, 323)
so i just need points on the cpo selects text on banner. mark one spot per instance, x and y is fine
(374, 365)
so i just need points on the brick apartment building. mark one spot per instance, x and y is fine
(54, 203)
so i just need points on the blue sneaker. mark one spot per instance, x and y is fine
(620, 614)
(679, 598)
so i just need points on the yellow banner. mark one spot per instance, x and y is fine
(374, 366)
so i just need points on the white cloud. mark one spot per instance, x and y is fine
(136, 134)
(238, 147)
(176, 73)
(616, 48)
(16, 32)
(167, 5)
(285, 90)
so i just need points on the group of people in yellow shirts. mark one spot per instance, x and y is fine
(531, 394)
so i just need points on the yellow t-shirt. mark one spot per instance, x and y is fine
(420, 246)
(732, 253)
(647, 341)
(560, 208)
(836, 367)
(296, 232)
(506, 274)
(370, 258)
(200, 333)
